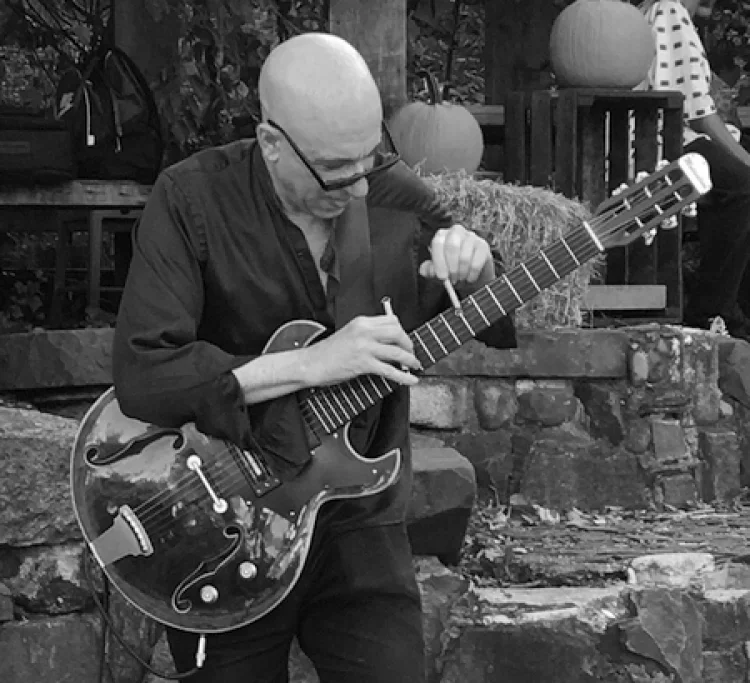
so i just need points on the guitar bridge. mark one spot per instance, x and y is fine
(260, 477)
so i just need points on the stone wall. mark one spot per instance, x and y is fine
(643, 416)
(647, 416)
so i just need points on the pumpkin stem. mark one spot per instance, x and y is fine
(434, 95)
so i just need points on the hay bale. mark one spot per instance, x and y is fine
(517, 221)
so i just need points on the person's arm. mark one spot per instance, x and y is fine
(713, 126)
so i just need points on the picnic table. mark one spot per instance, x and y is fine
(101, 200)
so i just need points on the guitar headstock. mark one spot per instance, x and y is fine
(643, 207)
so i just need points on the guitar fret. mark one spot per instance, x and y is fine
(531, 278)
(570, 251)
(316, 407)
(367, 393)
(495, 299)
(424, 346)
(480, 311)
(345, 395)
(593, 236)
(374, 386)
(354, 393)
(437, 339)
(331, 408)
(450, 329)
(512, 289)
(460, 314)
(341, 406)
(549, 264)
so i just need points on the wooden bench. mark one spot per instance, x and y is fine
(584, 143)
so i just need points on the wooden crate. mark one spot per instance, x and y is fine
(584, 143)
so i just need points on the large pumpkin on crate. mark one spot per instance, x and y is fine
(436, 135)
(601, 44)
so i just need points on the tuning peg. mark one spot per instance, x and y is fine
(649, 236)
(691, 210)
(619, 189)
(669, 223)
(661, 164)
(641, 175)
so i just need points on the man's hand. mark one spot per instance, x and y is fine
(460, 256)
(376, 345)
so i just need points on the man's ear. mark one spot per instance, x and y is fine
(269, 140)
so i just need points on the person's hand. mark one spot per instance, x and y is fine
(376, 345)
(459, 255)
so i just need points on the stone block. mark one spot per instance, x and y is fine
(544, 635)
(734, 369)
(57, 358)
(679, 490)
(496, 404)
(50, 650)
(35, 505)
(46, 579)
(442, 498)
(673, 570)
(440, 589)
(726, 618)
(7, 610)
(720, 452)
(558, 470)
(489, 452)
(546, 402)
(439, 404)
(543, 353)
(603, 404)
(667, 629)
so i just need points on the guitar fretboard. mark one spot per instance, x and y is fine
(330, 408)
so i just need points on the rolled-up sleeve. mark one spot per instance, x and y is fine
(162, 372)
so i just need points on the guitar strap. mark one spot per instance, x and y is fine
(356, 295)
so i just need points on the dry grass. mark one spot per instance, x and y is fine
(519, 220)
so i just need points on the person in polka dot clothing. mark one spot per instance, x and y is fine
(724, 219)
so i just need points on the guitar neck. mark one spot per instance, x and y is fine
(330, 408)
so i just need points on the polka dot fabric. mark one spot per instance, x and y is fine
(680, 62)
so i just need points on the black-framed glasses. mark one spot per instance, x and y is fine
(384, 157)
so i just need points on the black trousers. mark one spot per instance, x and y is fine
(355, 611)
(723, 233)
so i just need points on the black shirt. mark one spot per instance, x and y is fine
(217, 268)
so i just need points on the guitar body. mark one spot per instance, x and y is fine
(193, 531)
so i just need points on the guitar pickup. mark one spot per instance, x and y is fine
(260, 477)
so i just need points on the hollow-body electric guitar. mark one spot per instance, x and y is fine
(206, 537)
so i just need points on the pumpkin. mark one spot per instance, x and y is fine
(601, 44)
(437, 135)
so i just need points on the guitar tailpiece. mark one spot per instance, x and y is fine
(200, 655)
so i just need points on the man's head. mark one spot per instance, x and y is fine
(318, 95)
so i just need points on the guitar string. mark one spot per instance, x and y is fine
(484, 296)
(190, 483)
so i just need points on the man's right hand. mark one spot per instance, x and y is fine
(376, 345)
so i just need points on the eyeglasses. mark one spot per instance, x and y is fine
(383, 158)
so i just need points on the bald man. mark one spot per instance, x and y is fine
(314, 219)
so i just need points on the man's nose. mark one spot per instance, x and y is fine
(359, 189)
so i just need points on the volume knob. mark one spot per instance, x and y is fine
(247, 571)
(209, 594)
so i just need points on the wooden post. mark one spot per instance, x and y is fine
(516, 53)
(377, 28)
